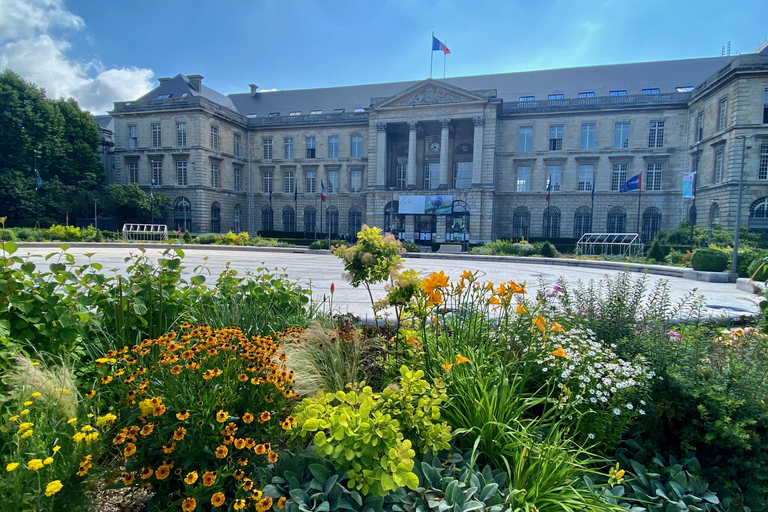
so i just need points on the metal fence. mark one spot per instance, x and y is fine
(145, 232)
(625, 244)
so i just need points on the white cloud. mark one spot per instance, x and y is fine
(29, 47)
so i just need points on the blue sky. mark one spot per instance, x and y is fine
(100, 52)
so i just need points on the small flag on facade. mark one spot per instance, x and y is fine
(632, 183)
(437, 46)
(270, 194)
(549, 185)
(322, 192)
(295, 193)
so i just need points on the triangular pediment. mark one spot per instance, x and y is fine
(430, 92)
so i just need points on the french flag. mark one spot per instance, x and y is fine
(322, 192)
(437, 46)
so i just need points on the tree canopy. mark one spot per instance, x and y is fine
(66, 140)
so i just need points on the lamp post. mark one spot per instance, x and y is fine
(711, 219)
(38, 184)
(734, 260)
(95, 215)
(152, 200)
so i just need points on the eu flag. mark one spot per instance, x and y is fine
(632, 183)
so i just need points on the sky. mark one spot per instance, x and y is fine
(100, 51)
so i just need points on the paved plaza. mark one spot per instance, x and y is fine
(319, 271)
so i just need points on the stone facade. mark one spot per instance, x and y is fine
(397, 153)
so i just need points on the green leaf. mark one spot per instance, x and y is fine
(318, 470)
(488, 491)
(10, 247)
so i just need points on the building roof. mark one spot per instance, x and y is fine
(105, 122)
(180, 85)
(666, 76)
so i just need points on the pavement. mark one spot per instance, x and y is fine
(319, 271)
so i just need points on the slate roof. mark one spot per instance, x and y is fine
(633, 78)
(179, 84)
(105, 122)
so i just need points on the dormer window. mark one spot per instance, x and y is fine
(621, 92)
(527, 98)
(555, 97)
(251, 115)
(651, 91)
(687, 88)
(295, 113)
(274, 114)
(587, 94)
(164, 96)
(315, 112)
(359, 109)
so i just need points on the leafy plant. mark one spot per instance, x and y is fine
(709, 260)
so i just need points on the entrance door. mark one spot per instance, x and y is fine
(425, 229)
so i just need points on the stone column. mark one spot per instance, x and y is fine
(381, 156)
(477, 151)
(411, 174)
(444, 133)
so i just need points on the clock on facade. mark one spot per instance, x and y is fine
(434, 147)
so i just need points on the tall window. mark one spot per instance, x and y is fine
(133, 136)
(617, 221)
(401, 176)
(431, 176)
(354, 222)
(182, 218)
(310, 215)
(556, 137)
(237, 178)
(554, 173)
(310, 182)
(651, 223)
(523, 179)
(215, 218)
(333, 182)
(621, 135)
(157, 172)
(266, 182)
(619, 176)
(332, 220)
(521, 223)
(133, 172)
(356, 182)
(215, 175)
(586, 175)
(718, 174)
(236, 219)
(582, 222)
(181, 134)
(333, 146)
(551, 226)
(267, 219)
(310, 147)
(266, 148)
(356, 149)
(215, 138)
(526, 138)
(462, 174)
(653, 177)
(289, 219)
(181, 172)
(762, 170)
(288, 182)
(236, 145)
(765, 106)
(288, 148)
(722, 114)
(699, 126)
(588, 136)
(157, 135)
(656, 134)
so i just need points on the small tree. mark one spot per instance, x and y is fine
(372, 259)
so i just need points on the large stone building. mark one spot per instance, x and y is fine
(533, 154)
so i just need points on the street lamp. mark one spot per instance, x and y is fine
(38, 184)
(735, 258)
(152, 200)
(711, 220)
(95, 215)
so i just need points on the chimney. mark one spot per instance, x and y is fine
(195, 81)
(253, 88)
(164, 79)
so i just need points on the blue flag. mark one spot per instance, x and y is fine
(438, 46)
(295, 193)
(632, 183)
(270, 194)
(593, 186)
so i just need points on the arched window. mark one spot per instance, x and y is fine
(714, 214)
(289, 219)
(267, 219)
(617, 221)
(215, 218)
(758, 215)
(551, 225)
(332, 220)
(521, 223)
(310, 216)
(457, 223)
(355, 223)
(651, 223)
(182, 215)
(393, 221)
(582, 222)
(236, 219)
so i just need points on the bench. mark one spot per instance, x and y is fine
(451, 248)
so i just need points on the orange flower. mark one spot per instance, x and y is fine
(222, 416)
(217, 499)
(209, 478)
(182, 415)
(467, 274)
(129, 449)
(147, 429)
(494, 300)
(260, 449)
(242, 377)
(460, 359)
(146, 473)
(560, 353)
(521, 310)
(239, 443)
(176, 370)
(247, 417)
(539, 321)
(264, 417)
(281, 502)
(249, 443)
(189, 505)
(447, 367)
(556, 327)
(162, 472)
(272, 457)
(221, 452)
(190, 478)
(179, 433)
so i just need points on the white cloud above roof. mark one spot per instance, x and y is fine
(34, 43)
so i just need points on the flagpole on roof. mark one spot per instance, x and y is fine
(444, 58)
(639, 196)
(431, 54)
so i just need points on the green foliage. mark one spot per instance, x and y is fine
(233, 239)
(656, 253)
(505, 247)
(410, 246)
(548, 250)
(323, 243)
(709, 260)
(745, 259)
(206, 239)
(129, 203)
(187, 237)
(757, 270)
(675, 257)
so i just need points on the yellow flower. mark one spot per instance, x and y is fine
(209, 478)
(217, 499)
(72, 420)
(92, 438)
(247, 417)
(48, 460)
(189, 505)
(56, 449)
(27, 434)
(556, 327)
(129, 449)
(494, 300)
(221, 452)
(620, 473)
(34, 464)
(539, 321)
(272, 457)
(521, 310)
(52, 488)
(91, 393)
(460, 359)
(11, 466)
(560, 353)
(28, 402)
(281, 502)
(239, 504)
(86, 428)
(162, 472)
(106, 419)
(222, 416)
(190, 478)
(179, 433)
(466, 274)
(264, 417)
(13, 418)
(24, 426)
(24, 412)
(35, 394)
(182, 415)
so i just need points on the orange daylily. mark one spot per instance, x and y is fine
(521, 310)
(494, 300)
(539, 321)
(447, 367)
(560, 353)
(556, 327)
(460, 359)
(467, 275)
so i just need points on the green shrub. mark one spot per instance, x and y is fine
(757, 270)
(63, 233)
(675, 257)
(548, 250)
(206, 239)
(410, 246)
(709, 260)
(656, 253)
(323, 243)
(746, 257)
(187, 237)
(7, 234)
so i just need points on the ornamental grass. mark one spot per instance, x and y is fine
(198, 412)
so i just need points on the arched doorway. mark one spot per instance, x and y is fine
(758, 215)
(182, 215)
(215, 218)
(457, 223)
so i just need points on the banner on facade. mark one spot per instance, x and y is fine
(426, 205)
(688, 180)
